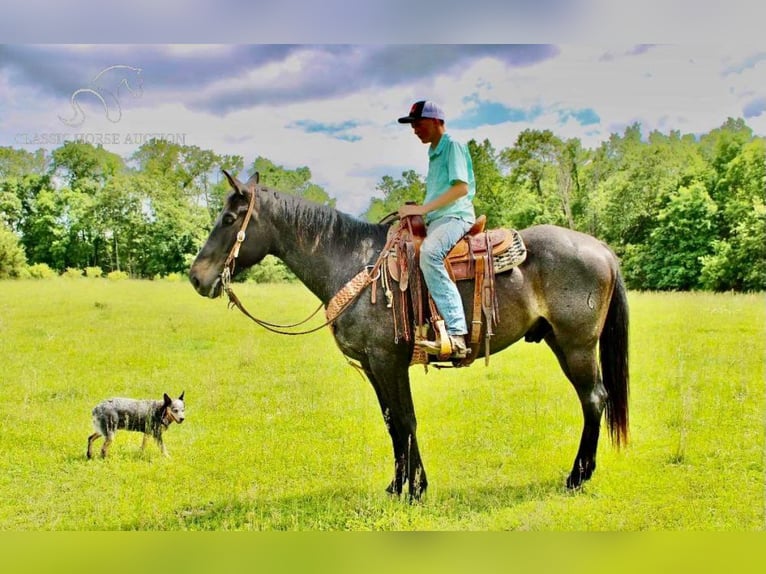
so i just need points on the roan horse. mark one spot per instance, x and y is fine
(568, 292)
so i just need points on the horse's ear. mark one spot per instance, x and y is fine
(233, 181)
(254, 179)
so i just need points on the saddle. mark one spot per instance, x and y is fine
(478, 256)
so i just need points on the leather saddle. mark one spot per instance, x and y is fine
(460, 260)
(479, 256)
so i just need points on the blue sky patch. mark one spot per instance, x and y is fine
(337, 131)
(584, 117)
(754, 107)
(493, 113)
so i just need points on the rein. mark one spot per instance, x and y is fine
(337, 305)
(228, 271)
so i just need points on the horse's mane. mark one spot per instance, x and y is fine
(317, 220)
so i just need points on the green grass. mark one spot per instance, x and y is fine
(282, 434)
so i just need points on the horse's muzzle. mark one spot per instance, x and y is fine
(211, 290)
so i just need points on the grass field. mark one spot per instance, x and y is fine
(282, 434)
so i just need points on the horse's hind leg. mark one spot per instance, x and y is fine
(391, 382)
(581, 368)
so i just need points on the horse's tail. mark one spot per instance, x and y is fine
(613, 345)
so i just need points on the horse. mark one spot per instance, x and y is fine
(569, 292)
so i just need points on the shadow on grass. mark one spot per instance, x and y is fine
(334, 509)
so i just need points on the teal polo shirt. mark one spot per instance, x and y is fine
(448, 163)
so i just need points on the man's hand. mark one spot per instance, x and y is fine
(411, 209)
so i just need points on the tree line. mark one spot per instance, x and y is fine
(681, 211)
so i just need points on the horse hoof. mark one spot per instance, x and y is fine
(573, 482)
(416, 495)
(577, 478)
(392, 490)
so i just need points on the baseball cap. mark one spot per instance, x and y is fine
(423, 109)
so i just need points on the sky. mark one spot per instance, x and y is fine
(332, 105)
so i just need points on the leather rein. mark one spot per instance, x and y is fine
(228, 272)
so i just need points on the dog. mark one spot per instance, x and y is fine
(146, 416)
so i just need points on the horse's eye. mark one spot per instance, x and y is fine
(229, 218)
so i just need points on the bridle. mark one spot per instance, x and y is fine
(228, 266)
(337, 305)
(228, 271)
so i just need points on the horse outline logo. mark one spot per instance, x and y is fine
(109, 99)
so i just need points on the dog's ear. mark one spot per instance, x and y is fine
(167, 399)
(182, 396)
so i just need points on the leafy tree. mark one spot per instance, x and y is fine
(84, 166)
(42, 236)
(739, 263)
(22, 175)
(12, 259)
(492, 190)
(719, 147)
(671, 259)
(19, 162)
(738, 260)
(544, 179)
(11, 208)
(646, 177)
(296, 181)
(176, 194)
(682, 211)
(396, 192)
(270, 270)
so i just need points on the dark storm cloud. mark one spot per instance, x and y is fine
(327, 72)
(235, 21)
(57, 70)
(334, 71)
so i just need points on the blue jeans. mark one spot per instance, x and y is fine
(442, 235)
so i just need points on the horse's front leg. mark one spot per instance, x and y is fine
(390, 379)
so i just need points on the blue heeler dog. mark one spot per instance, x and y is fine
(147, 416)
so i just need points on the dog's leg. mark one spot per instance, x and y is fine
(162, 446)
(144, 441)
(91, 439)
(107, 442)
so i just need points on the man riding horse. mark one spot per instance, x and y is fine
(449, 214)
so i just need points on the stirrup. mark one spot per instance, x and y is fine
(444, 349)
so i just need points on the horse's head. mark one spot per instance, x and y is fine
(234, 244)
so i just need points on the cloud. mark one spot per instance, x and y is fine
(333, 108)
(222, 79)
(288, 21)
(324, 72)
(57, 70)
